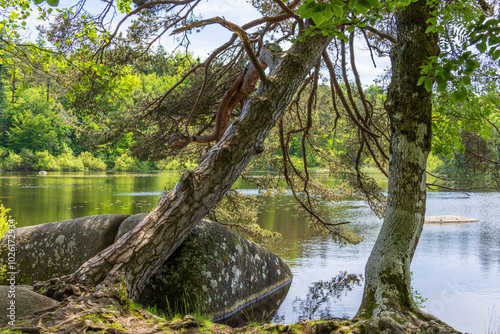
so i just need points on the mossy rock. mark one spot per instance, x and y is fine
(215, 271)
(19, 301)
(55, 249)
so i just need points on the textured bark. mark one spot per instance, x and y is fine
(134, 257)
(409, 106)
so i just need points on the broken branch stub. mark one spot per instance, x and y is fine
(242, 87)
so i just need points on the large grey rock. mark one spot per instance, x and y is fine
(129, 224)
(59, 248)
(19, 301)
(215, 271)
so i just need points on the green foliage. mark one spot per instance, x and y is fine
(329, 16)
(34, 131)
(4, 220)
(46, 161)
(239, 212)
(68, 162)
(28, 157)
(435, 164)
(91, 163)
(175, 164)
(125, 162)
(485, 35)
(4, 227)
(417, 297)
(50, 2)
(12, 162)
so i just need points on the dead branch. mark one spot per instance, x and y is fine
(341, 95)
(242, 86)
(238, 31)
(292, 188)
(381, 34)
(290, 12)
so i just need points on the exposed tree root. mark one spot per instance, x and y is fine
(390, 322)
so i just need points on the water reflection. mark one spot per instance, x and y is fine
(261, 311)
(456, 267)
(317, 304)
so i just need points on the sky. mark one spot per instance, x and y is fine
(238, 12)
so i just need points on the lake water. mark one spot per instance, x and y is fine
(456, 267)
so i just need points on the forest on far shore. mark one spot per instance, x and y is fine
(39, 130)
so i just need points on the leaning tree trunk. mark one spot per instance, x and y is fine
(138, 254)
(387, 286)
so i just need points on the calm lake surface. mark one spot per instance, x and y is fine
(456, 267)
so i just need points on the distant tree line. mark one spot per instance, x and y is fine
(39, 131)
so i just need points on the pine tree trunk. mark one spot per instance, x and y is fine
(138, 254)
(387, 287)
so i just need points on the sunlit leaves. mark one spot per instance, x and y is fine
(327, 17)
(50, 2)
(124, 6)
(486, 36)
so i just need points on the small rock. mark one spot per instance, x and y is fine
(448, 220)
(26, 303)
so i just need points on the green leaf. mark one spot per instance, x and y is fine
(495, 54)
(375, 3)
(318, 18)
(493, 40)
(459, 96)
(327, 12)
(481, 46)
(53, 3)
(441, 82)
(428, 84)
(338, 10)
(421, 80)
(362, 8)
(466, 80)
(430, 29)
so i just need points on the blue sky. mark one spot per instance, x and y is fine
(239, 12)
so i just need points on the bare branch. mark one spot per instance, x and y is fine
(290, 12)
(292, 188)
(357, 79)
(205, 77)
(148, 4)
(381, 34)
(340, 94)
(238, 31)
(369, 47)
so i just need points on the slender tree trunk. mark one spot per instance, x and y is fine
(138, 254)
(387, 287)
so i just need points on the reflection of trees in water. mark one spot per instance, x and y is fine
(321, 294)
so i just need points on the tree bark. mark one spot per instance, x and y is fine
(387, 286)
(137, 255)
